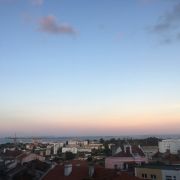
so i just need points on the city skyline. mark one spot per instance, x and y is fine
(74, 68)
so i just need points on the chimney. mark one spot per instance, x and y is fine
(91, 170)
(128, 149)
(67, 169)
(53, 165)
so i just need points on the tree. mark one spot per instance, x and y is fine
(89, 159)
(101, 140)
(107, 151)
(69, 155)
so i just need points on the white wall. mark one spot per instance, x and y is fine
(173, 145)
(69, 149)
(149, 151)
(57, 146)
(72, 142)
(84, 150)
(175, 174)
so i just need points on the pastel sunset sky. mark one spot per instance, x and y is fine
(89, 67)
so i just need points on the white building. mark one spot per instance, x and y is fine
(85, 143)
(127, 157)
(95, 146)
(149, 151)
(56, 147)
(171, 145)
(72, 142)
(171, 174)
(74, 150)
(48, 150)
(85, 150)
(29, 146)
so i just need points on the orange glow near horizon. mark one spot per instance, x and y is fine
(110, 123)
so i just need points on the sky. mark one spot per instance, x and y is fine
(89, 67)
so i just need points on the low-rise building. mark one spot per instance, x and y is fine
(29, 146)
(48, 150)
(126, 159)
(167, 158)
(33, 170)
(85, 143)
(88, 150)
(30, 157)
(79, 170)
(150, 151)
(74, 150)
(96, 146)
(56, 147)
(158, 172)
(146, 172)
(73, 142)
(10, 158)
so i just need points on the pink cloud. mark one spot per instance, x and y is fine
(49, 24)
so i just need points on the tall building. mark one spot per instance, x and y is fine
(170, 145)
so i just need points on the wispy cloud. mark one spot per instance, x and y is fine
(168, 27)
(37, 2)
(49, 24)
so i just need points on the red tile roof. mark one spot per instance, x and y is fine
(166, 156)
(81, 172)
(123, 154)
(136, 149)
(58, 173)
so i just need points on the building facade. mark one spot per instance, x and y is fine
(158, 172)
(171, 145)
(128, 157)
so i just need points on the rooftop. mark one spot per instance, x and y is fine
(80, 172)
(11, 154)
(135, 151)
(160, 166)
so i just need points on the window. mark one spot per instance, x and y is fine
(168, 177)
(153, 176)
(115, 166)
(144, 176)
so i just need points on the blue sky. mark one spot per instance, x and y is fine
(79, 61)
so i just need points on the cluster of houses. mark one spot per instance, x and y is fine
(73, 146)
(134, 162)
